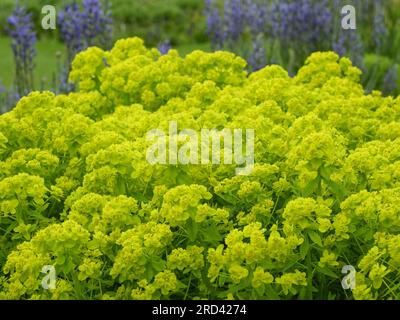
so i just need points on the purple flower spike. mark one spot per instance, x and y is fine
(390, 81)
(84, 26)
(214, 25)
(380, 31)
(23, 41)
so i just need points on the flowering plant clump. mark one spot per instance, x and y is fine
(77, 193)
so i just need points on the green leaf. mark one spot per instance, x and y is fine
(260, 291)
(271, 293)
(136, 220)
(60, 260)
(328, 272)
(336, 188)
(211, 234)
(314, 236)
(120, 186)
(149, 274)
(158, 264)
(221, 279)
(192, 228)
(311, 187)
(305, 248)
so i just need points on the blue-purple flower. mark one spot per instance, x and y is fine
(164, 47)
(70, 26)
(82, 26)
(380, 32)
(256, 17)
(23, 41)
(390, 81)
(258, 56)
(247, 26)
(8, 98)
(348, 42)
(300, 23)
(234, 20)
(215, 27)
(97, 22)
(90, 25)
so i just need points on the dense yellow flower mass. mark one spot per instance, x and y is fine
(77, 193)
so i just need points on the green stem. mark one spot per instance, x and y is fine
(310, 272)
(188, 286)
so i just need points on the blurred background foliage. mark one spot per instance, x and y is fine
(182, 21)
(185, 25)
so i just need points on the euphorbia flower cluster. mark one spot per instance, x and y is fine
(77, 193)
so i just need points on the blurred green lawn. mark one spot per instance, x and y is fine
(46, 61)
